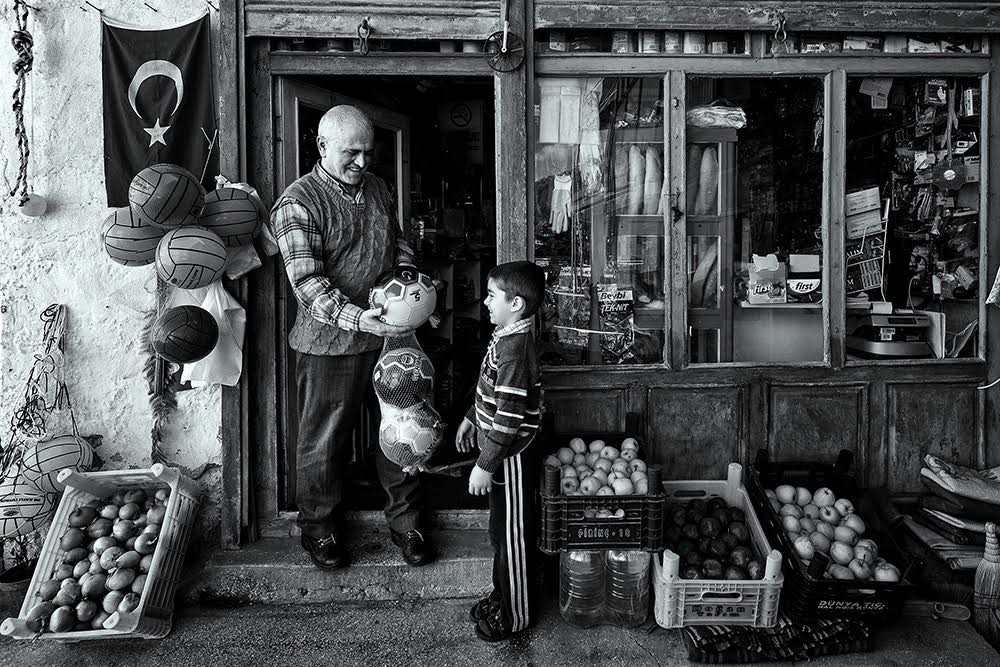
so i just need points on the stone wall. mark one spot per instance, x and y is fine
(58, 258)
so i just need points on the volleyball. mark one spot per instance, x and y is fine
(184, 334)
(167, 195)
(407, 296)
(234, 214)
(130, 239)
(190, 257)
(23, 506)
(41, 462)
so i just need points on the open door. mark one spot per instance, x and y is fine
(300, 107)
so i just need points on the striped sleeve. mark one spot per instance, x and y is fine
(511, 395)
(300, 241)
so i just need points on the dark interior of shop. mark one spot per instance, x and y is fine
(449, 205)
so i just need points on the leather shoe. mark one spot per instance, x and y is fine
(414, 547)
(327, 553)
(482, 608)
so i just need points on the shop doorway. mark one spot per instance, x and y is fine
(435, 148)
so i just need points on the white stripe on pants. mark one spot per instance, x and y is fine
(517, 566)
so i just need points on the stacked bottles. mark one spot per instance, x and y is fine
(581, 587)
(626, 585)
(604, 587)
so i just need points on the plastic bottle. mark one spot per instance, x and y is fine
(627, 587)
(581, 587)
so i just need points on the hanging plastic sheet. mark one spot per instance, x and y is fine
(225, 363)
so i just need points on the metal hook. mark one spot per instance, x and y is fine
(151, 7)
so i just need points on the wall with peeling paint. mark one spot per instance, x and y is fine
(58, 258)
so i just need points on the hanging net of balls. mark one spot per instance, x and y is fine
(411, 429)
(30, 460)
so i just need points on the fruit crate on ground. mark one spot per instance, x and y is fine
(632, 521)
(152, 618)
(754, 602)
(808, 593)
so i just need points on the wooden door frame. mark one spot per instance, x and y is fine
(247, 71)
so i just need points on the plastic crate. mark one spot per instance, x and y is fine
(753, 602)
(152, 618)
(565, 522)
(808, 593)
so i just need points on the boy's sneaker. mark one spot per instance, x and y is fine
(490, 627)
(482, 607)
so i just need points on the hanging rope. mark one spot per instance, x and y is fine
(45, 390)
(23, 43)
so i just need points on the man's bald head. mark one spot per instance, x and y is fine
(346, 142)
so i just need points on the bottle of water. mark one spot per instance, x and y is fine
(581, 587)
(627, 587)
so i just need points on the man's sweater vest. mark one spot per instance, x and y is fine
(359, 244)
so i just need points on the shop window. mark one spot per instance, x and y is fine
(599, 219)
(753, 202)
(912, 216)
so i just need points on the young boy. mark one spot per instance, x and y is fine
(503, 422)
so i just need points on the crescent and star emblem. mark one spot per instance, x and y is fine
(148, 70)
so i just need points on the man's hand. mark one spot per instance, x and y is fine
(479, 481)
(465, 437)
(370, 323)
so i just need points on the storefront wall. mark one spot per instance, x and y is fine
(696, 418)
(59, 258)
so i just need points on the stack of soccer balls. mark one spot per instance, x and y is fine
(598, 469)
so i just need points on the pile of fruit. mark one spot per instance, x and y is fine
(712, 540)
(107, 551)
(598, 469)
(820, 522)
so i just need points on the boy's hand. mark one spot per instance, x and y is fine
(465, 437)
(479, 481)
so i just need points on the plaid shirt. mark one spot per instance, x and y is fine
(300, 241)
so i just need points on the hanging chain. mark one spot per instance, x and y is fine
(23, 43)
(364, 31)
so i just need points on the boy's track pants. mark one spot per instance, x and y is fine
(512, 523)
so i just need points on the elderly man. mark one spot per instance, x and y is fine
(337, 231)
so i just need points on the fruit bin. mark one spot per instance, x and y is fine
(569, 522)
(152, 618)
(808, 594)
(683, 602)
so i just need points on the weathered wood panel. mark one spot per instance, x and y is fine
(599, 409)
(695, 432)
(940, 419)
(869, 15)
(511, 140)
(417, 19)
(814, 422)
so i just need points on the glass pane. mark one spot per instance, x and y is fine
(753, 174)
(599, 220)
(912, 217)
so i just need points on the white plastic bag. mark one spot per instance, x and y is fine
(225, 363)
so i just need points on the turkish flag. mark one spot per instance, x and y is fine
(158, 102)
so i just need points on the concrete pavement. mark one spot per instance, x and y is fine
(437, 632)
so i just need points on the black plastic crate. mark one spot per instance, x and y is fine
(808, 594)
(566, 522)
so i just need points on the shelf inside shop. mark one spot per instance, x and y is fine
(783, 306)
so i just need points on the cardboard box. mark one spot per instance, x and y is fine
(861, 201)
(767, 283)
(863, 224)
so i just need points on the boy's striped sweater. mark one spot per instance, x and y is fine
(508, 395)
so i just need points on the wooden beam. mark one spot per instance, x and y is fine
(416, 19)
(834, 147)
(510, 127)
(870, 16)
(228, 66)
(327, 63)
(675, 298)
(262, 317)
(596, 64)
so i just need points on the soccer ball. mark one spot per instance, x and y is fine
(408, 437)
(407, 296)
